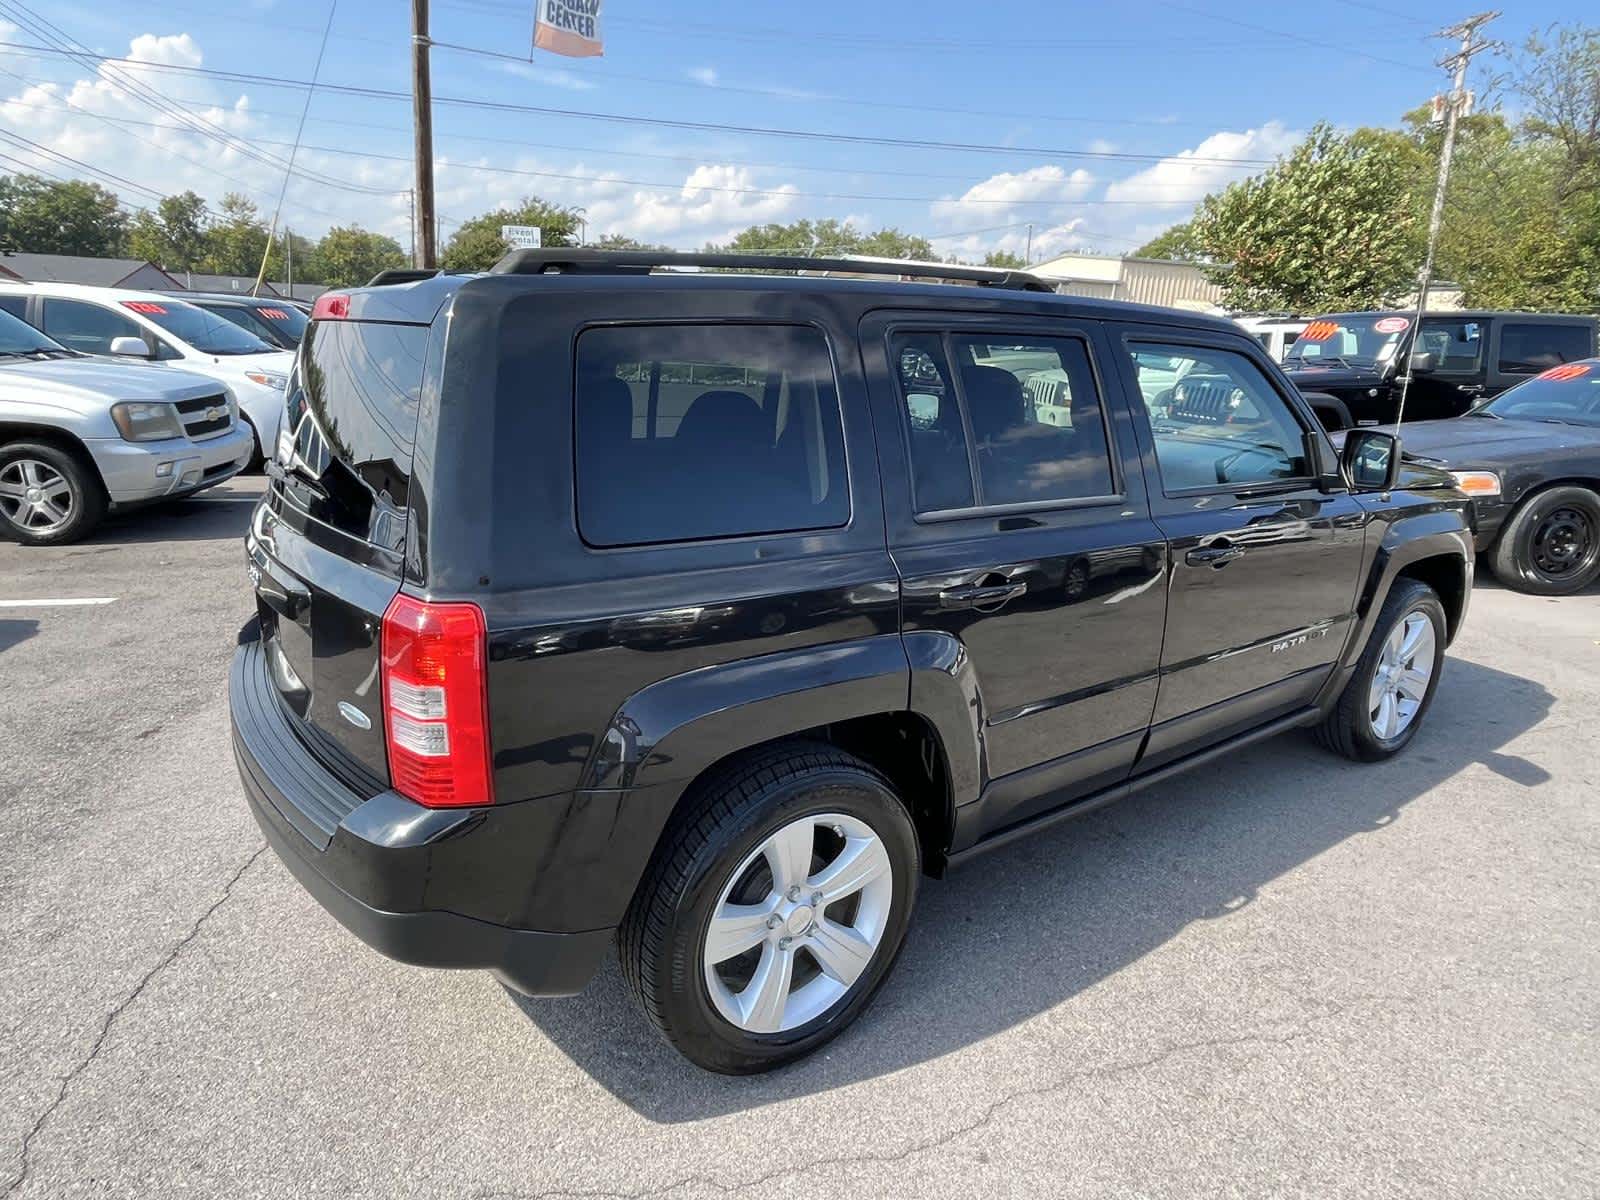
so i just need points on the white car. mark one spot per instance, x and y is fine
(1276, 334)
(80, 435)
(164, 330)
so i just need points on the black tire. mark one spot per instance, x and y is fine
(1551, 545)
(1348, 727)
(727, 819)
(86, 501)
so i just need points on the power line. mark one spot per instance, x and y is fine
(697, 126)
(1320, 43)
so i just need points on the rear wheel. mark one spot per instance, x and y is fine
(1551, 544)
(774, 910)
(47, 496)
(1382, 706)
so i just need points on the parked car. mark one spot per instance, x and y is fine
(276, 322)
(162, 329)
(1347, 365)
(80, 437)
(1276, 334)
(706, 612)
(1530, 459)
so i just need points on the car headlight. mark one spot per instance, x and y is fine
(266, 379)
(1477, 483)
(146, 421)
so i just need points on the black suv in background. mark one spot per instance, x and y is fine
(1348, 365)
(706, 612)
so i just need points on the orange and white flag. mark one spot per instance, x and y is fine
(570, 27)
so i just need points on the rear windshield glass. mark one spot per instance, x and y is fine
(352, 408)
(698, 431)
(206, 332)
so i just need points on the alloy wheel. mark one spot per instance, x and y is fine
(1400, 680)
(34, 495)
(798, 923)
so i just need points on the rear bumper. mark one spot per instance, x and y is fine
(366, 861)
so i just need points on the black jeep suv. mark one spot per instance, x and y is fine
(705, 612)
(1348, 366)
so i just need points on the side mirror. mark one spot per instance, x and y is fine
(1424, 362)
(132, 347)
(1371, 460)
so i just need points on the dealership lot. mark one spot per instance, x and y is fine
(1285, 974)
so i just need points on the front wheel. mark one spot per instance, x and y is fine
(1551, 545)
(47, 496)
(1382, 706)
(774, 910)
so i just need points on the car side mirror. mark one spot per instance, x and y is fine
(1371, 460)
(132, 347)
(1424, 362)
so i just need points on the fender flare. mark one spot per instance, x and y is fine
(1433, 531)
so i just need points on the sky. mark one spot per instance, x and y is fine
(1062, 124)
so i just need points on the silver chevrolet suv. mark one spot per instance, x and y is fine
(81, 436)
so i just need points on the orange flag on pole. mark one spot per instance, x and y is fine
(570, 27)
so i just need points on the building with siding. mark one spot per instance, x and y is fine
(1165, 282)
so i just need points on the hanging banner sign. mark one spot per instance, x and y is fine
(570, 27)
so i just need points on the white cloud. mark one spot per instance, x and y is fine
(1180, 180)
(994, 196)
(705, 75)
(553, 77)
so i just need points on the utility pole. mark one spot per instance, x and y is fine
(422, 117)
(411, 194)
(288, 259)
(1454, 105)
(1027, 255)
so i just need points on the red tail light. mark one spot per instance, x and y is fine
(331, 306)
(435, 702)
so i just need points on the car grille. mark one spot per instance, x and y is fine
(205, 416)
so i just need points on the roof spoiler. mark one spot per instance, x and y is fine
(567, 261)
(401, 275)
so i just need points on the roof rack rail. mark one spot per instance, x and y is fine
(568, 260)
(401, 275)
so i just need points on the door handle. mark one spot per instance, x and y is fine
(1212, 556)
(977, 596)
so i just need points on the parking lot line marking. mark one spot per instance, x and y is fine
(59, 602)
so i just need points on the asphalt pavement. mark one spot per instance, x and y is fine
(1285, 975)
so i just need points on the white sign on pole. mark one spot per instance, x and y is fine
(570, 27)
(521, 237)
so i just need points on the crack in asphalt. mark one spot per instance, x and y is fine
(983, 1118)
(111, 1017)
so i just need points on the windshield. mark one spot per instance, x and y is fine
(206, 332)
(1570, 393)
(1364, 337)
(18, 337)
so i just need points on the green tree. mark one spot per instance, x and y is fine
(1331, 226)
(1004, 258)
(348, 256)
(236, 241)
(621, 241)
(893, 243)
(45, 216)
(1177, 243)
(477, 244)
(174, 236)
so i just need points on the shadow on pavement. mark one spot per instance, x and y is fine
(14, 632)
(206, 517)
(1115, 886)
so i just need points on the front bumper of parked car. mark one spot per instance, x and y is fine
(139, 472)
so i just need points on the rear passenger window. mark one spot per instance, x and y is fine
(700, 431)
(1217, 420)
(1529, 349)
(1000, 419)
(1456, 344)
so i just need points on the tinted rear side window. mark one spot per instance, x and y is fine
(700, 431)
(352, 407)
(1530, 349)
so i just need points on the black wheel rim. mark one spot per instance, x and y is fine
(1563, 543)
